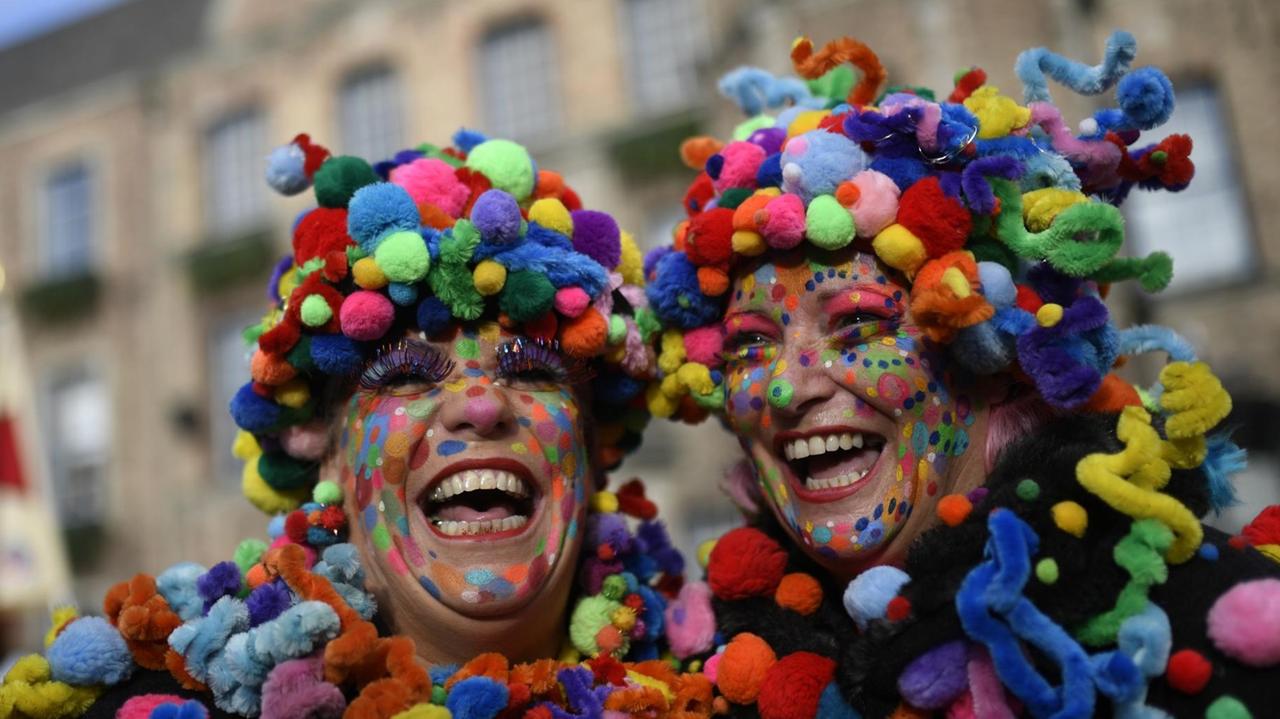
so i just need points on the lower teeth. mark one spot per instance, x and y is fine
(843, 480)
(458, 529)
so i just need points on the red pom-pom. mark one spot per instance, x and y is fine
(745, 563)
(709, 239)
(1028, 300)
(632, 502)
(699, 194)
(793, 686)
(295, 526)
(1265, 528)
(899, 608)
(313, 155)
(280, 339)
(332, 518)
(941, 222)
(608, 670)
(1238, 543)
(1188, 671)
(322, 233)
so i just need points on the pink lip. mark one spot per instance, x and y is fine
(824, 496)
(500, 463)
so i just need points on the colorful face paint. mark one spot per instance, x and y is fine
(468, 473)
(840, 402)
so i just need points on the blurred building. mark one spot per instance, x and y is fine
(136, 232)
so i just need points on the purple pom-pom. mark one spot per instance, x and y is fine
(296, 688)
(596, 235)
(497, 216)
(267, 602)
(770, 139)
(223, 579)
(934, 679)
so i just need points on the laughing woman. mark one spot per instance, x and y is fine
(456, 354)
(896, 304)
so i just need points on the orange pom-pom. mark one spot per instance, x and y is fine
(847, 194)
(1113, 395)
(550, 184)
(742, 668)
(695, 151)
(256, 576)
(492, 665)
(584, 335)
(713, 281)
(799, 592)
(954, 509)
(435, 217)
(270, 369)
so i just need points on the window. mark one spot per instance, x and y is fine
(235, 193)
(370, 114)
(67, 225)
(1205, 227)
(519, 82)
(663, 41)
(228, 369)
(78, 444)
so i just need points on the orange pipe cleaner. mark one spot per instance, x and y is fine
(810, 64)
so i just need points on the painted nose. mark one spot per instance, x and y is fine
(482, 410)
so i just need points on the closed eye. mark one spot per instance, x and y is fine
(404, 366)
(539, 364)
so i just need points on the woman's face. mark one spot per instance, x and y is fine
(847, 412)
(466, 470)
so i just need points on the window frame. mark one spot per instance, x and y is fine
(52, 383)
(555, 115)
(218, 227)
(44, 262)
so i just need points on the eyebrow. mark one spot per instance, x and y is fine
(832, 299)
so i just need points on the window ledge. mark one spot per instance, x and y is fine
(219, 263)
(60, 298)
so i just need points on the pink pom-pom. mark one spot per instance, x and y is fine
(307, 551)
(741, 162)
(691, 624)
(366, 315)
(141, 706)
(571, 301)
(712, 666)
(296, 688)
(877, 203)
(307, 442)
(428, 180)
(1245, 622)
(704, 344)
(783, 228)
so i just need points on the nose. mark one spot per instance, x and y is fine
(800, 388)
(481, 410)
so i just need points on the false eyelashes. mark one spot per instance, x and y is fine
(404, 362)
(540, 362)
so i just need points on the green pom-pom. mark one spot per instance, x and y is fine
(746, 127)
(827, 223)
(506, 164)
(590, 616)
(300, 355)
(327, 492)
(614, 587)
(1028, 490)
(1047, 570)
(439, 694)
(403, 257)
(834, 84)
(282, 472)
(339, 178)
(248, 553)
(526, 296)
(617, 329)
(733, 197)
(315, 311)
(1227, 707)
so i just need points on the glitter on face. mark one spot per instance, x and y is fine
(823, 343)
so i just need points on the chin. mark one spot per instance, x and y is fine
(494, 532)
(840, 491)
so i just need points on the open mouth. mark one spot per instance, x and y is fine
(830, 459)
(489, 499)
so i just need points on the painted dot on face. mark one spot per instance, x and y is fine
(467, 348)
(780, 392)
(451, 447)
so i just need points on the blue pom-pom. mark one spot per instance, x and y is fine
(343, 563)
(653, 256)
(433, 315)
(497, 216)
(1209, 552)
(177, 585)
(867, 596)
(336, 354)
(769, 173)
(1146, 96)
(476, 698)
(466, 140)
(440, 673)
(616, 388)
(402, 294)
(275, 527)
(90, 651)
(190, 709)
(286, 170)
(222, 579)
(253, 412)
(904, 171)
(715, 163)
(267, 602)
(832, 704)
(676, 296)
(378, 209)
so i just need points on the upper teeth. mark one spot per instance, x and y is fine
(474, 479)
(820, 444)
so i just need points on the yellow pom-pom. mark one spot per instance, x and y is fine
(604, 501)
(295, 393)
(631, 266)
(672, 354)
(660, 405)
(1070, 518)
(623, 618)
(288, 283)
(899, 248)
(746, 242)
(368, 275)
(696, 377)
(245, 446)
(552, 214)
(1272, 551)
(1049, 314)
(424, 711)
(704, 552)
(806, 121)
(489, 277)
(1039, 207)
(61, 616)
(263, 496)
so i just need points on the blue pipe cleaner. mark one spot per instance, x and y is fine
(200, 640)
(1222, 460)
(1144, 639)
(1032, 66)
(755, 90)
(995, 586)
(177, 585)
(1139, 339)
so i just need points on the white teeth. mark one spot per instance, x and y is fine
(846, 441)
(458, 529)
(821, 444)
(833, 443)
(801, 449)
(817, 446)
(790, 450)
(843, 480)
(857, 440)
(472, 480)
